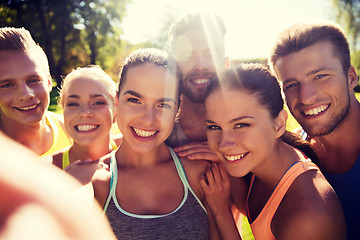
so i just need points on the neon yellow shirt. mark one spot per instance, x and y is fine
(60, 140)
(65, 156)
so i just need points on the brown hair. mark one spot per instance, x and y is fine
(301, 36)
(257, 79)
(20, 39)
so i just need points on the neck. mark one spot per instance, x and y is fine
(37, 137)
(92, 151)
(191, 118)
(127, 157)
(276, 164)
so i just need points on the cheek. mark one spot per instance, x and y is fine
(214, 138)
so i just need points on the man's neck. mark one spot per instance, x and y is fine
(37, 137)
(338, 151)
(191, 118)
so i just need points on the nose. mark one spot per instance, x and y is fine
(148, 116)
(86, 111)
(227, 141)
(307, 93)
(202, 62)
(25, 93)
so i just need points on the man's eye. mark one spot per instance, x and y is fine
(33, 80)
(321, 76)
(6, 85)
(133, 100)
(290, 86)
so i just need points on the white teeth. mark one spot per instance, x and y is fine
(316, 111)
(28, 108)
(234, 157)
(144, 133)
(201, 81)
(86, 127)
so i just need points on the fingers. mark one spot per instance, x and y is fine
(197, 151)
(189, 146)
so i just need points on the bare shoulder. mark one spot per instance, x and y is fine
(309, 210)
(194, 171)
(101, 180)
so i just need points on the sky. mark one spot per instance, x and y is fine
(252, 25)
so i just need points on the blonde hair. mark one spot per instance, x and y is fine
(92, 72)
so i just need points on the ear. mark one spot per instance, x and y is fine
(280, 123)
(50, 83)
(352, 78)
(227, 62)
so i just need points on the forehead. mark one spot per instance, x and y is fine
(87, 85)
(149, 79)
(228, 103)
(197, 40)
(318, 56)
(18, 64)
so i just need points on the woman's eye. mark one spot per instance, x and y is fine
(100, 103)
(72, 104)
(164, 105)
(241, 125)
(213, 127)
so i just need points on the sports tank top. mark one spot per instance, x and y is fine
(187, 221)
(60, 140)
(65, 156)
(261, 226)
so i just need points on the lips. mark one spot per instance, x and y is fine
(144, 133)
(28, 108)
(316, 111)
(235, 157)
(86, 127)
(201, 81)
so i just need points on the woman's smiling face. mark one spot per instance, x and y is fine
(147, 106)
(239, 130)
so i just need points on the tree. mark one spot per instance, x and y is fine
(348, 14)
(72, 32)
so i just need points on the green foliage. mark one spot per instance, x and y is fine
(72, 32)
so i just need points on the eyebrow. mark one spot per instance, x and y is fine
(308, 74)
(231, 121)
(91, 96)
(140, 96)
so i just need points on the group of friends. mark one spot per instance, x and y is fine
(201, 143)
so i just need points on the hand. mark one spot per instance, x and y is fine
(197, 151)
(84, 170)
(216, 187)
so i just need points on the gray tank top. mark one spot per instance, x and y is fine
(187, 221)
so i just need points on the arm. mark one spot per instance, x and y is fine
(197, 151)
(216, 187)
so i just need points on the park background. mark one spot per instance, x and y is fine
(76, 33)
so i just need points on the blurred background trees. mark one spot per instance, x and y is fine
(76, 33)
(72, 32)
